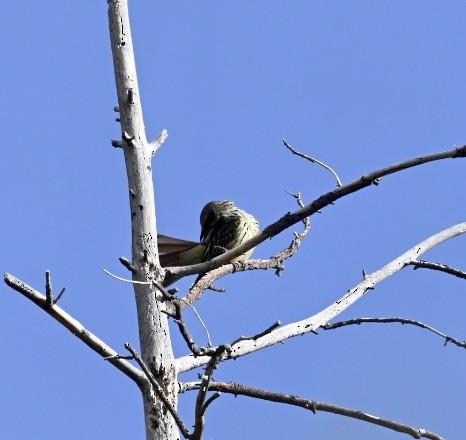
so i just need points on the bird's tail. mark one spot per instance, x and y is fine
(177, 252)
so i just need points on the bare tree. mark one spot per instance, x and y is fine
(158, 372)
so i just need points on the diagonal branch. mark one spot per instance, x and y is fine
(290, 219)
(312, 405)
(201, 403)
(75, 327)
(358, 321)
(312, 323)
(437, 266)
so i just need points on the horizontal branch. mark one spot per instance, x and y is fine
(292, 218)
(437, 266)
(358, 321)
(312, 405)
(75, 327)
(312, 323)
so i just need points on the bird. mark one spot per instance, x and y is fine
(223, 227)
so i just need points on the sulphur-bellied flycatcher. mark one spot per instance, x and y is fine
(223, 227)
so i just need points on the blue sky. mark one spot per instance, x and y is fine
(357, 85)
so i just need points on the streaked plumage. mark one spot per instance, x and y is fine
(223, 226)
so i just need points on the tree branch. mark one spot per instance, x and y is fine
(312, 323)
(358, 321)
(437, 266)
(312, 405)
(75, 327)
(290, 219)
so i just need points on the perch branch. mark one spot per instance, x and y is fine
(312, 323)
(290, 219)
(312, 405)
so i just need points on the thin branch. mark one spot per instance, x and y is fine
(195, 349)
(126, 280)
(55, 301)
(358, 321)
(312, 405)
(318, 162)
(159, 391)
(176, 313)
(259, 335)
(290, 219)
(209, 342)
(210, 400)
(75, 327)
(437, 266)
(312, 323)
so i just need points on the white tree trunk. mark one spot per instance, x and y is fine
(154, 333)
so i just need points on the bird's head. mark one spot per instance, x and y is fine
(211, 213)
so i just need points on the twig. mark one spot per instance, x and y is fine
(259, 335)
(210, 400)
(312, 405)
(75, 327)
(125, 280)
(312, 323)
(318, 162)
(55, 301)
(180, 321)
(437, 266)
(195, 349)
(159, 391)
(290, 219)
(125, 262)
(209, 342)
(358, 321)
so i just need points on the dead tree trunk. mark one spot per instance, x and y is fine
(154, 333)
